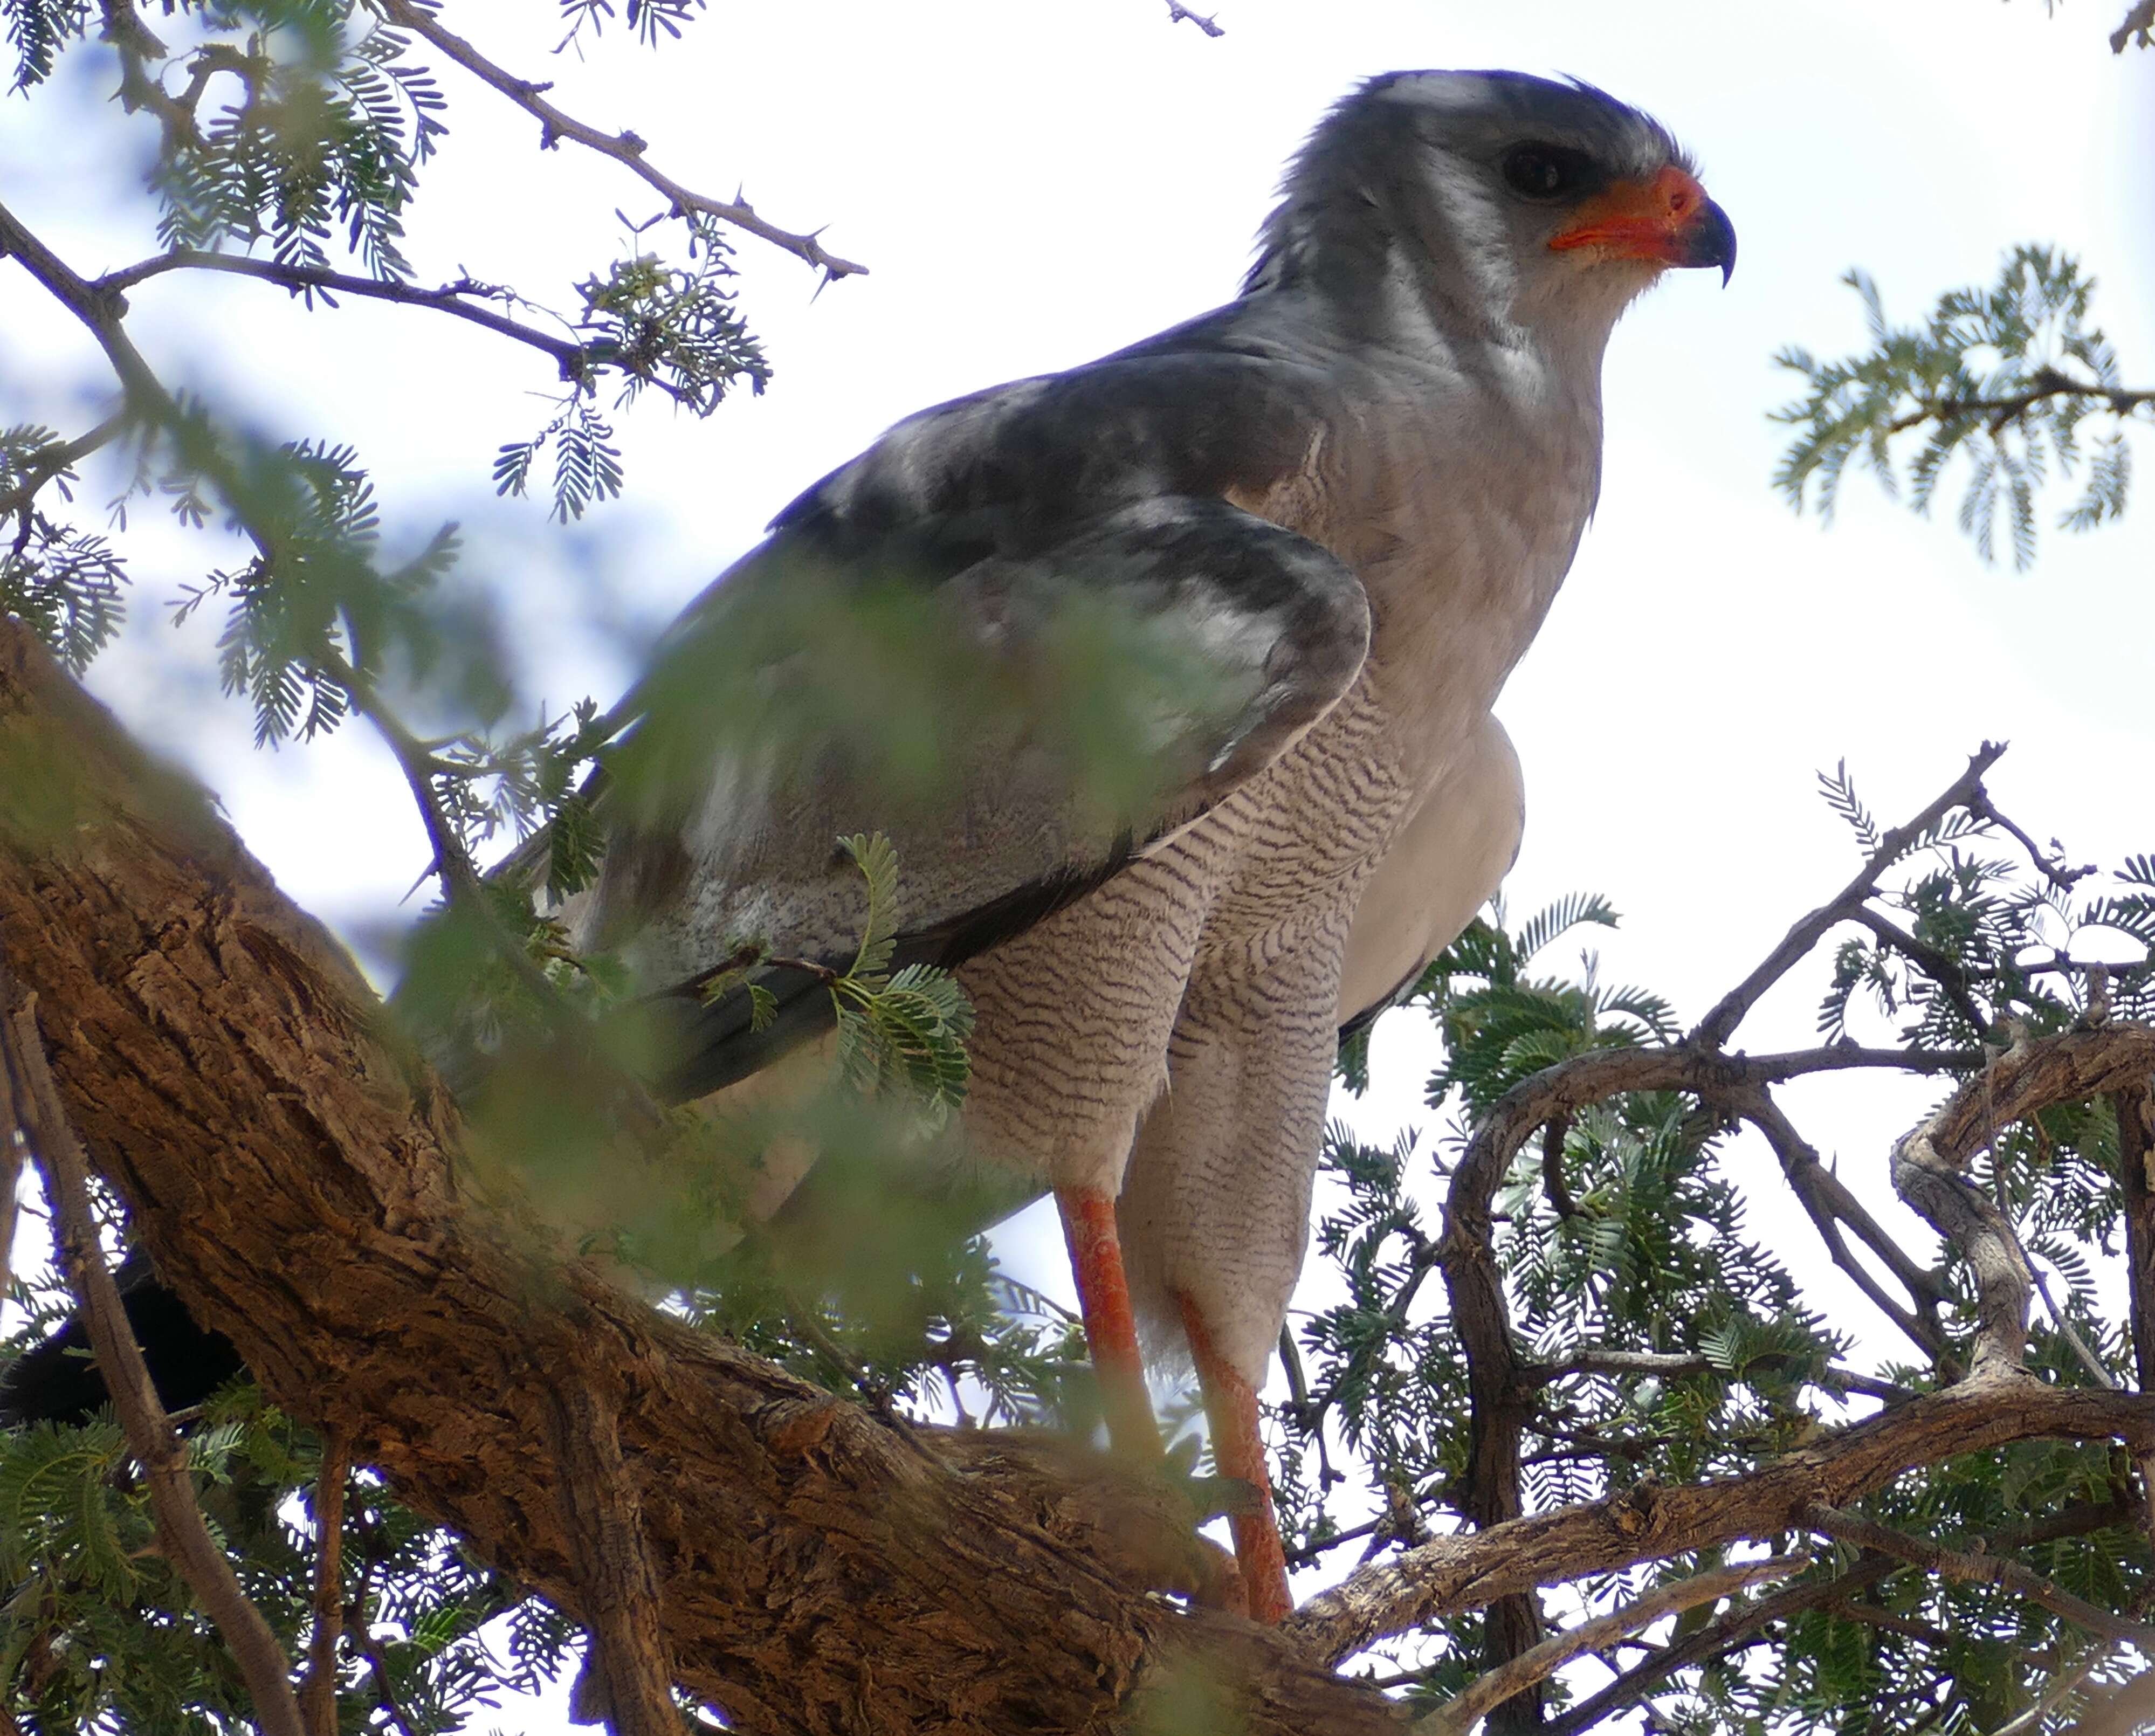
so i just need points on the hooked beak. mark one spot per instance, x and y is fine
(1666, 221)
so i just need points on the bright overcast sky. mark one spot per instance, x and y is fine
(1034, 184)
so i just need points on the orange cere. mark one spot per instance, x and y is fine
(1654, 220)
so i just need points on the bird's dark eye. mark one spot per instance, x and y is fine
(1547, 172)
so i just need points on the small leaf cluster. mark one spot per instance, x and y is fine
(674, 327)
(1965, 947)
(1500, 1024)
(2008, 376)
(319, 146)
(64, 582)
(905, 1031)
(654, 324)
(648, 19)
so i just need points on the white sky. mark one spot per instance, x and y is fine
(1032, 185)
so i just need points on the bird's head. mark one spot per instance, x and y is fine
(1493, 197)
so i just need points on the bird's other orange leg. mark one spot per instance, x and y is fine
(1238, 1450)
(1111, 1329)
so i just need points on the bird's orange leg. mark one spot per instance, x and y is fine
(1238, 1450)
(1111, 1329)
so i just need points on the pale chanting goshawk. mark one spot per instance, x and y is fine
(1349, 494)
(1307, 535)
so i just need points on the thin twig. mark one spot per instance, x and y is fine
(2052, 867)
(1720, 1024)
(378, 1663)
(1946, 972)
(1999, 411)
(2061, 1685)
(1605, 1359)
(1573, 1085)
(1984, 1569)
(318, 1693)
(57, 461)
(625, 148)
(1829, 1204)
(182, 1536)
(1741, 1628)
(1177, 14)
(2082, 1352)
(1734, 1631)
(103, 311)
(574, 359)
(1492, 1689)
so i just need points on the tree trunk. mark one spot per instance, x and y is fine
(294, 1171)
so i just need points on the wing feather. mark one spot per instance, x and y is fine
(1018, 720)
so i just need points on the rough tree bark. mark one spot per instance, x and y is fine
(295, 1172)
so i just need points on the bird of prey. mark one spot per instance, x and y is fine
(1170, 678)
(1336, 510)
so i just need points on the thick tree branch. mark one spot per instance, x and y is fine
(2134, 1107)
(2065, 1682)
(301, 1180)
(625, 148)
(2066, 1067)
(1927, 1163)
(2126, 1710)
(100, 313)
(1458, 1715)
(183, 1537)
(1501, 1399)
(1471, 1569)
(1721, 1022)
(601, 1513)
(2139, 24)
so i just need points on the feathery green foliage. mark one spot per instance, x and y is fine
(1668, 1340)
(2009, 377)
(64, 582)
(97, 1630)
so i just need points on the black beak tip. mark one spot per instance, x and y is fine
(1716, 241)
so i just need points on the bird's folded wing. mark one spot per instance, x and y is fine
(1018, 710)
